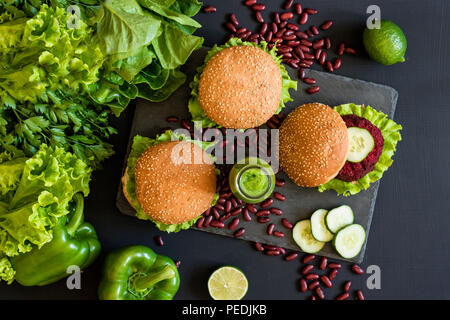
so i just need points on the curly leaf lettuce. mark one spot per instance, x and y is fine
(44, 189)
(7, 272)
(391, 135)
(140, 144)
(195, 108)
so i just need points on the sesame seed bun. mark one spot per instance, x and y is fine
(313, 144)
(171, 191)
(240, 87)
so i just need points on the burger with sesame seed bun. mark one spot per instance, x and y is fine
(170, 180)
(313, 144)
(241, 85)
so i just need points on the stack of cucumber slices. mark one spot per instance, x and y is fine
(335, 225)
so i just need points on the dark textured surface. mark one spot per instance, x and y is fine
(410, 229)
(300, 203)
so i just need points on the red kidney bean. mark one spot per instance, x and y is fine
(246, 35)
(306, 43)
(309, 56)
(159, 241)
(304, 49)
(230, 36)
(263, 213)
(291, 256)
(272, 253)
(289, 37)
(337, 63)
(276, 18)
(312, 298)
(233, 224)
(356, 269)
(333, 265)
(258, 7)
(239, 233)
(234, 203)
(323, 263)
(238, 201)
(288, 4)
(359, 295)
(286, 224)
(326, 25)
(227, 206)
(308, 258)
(199, 222)
(298, 8)
(318, 44)
(309, 33)
(216, 213)
(209, 9)
(234, 20)
(306, 269)
(236, 211)
(274, 27)
(269, 36)
(230, 27)
(317, 54)
(313, 285)
(280, 33)
(249, 2)
(270, 229)
(246, 215)
(225, 217)
(267, 203)
(293, 65)
(279, 182)
(320, 293)
(226, 195)
(259, 17)
(303, 18)
(329, 66)
(326, 281)
(263, 219)
(301, 73)
(172, 119)
(217, 224)
(341, 49)
(312, 276)
(289, 32)
(278, 234)
(185, 125)
(270, 247)
(219, 207)
(313, 90)
(303, 285)
(241, 31)
(327, 43)
(263, 29)
(301, 35)
(251, 208)
(276, 211)
(279, 196)
(323, 57)
(286, 16)
(293, 43)
(282, 251)
(343, 296)
(291, 26)
(282, 24)
(314, 30)
(277, 39)
(347, 286)
(207, 221)
(177, 263)
(350, 50)
(221, 200)
(333, 274)
(311, 11)
(304, 65)
(259, 247)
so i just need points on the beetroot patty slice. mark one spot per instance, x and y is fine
(355, 115)
(354, 171)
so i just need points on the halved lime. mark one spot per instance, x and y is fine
(386, 45)
(227, 283)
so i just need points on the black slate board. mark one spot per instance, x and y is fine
(150, 119)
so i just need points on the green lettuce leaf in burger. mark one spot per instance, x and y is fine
(169, 192)
(239, 86)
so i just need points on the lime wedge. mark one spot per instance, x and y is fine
(227, 283)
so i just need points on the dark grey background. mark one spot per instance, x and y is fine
(409, 238)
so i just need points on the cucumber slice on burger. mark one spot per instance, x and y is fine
(349, 240)
(338, 218)
(319, 229)
(361, 144)
(304, 239)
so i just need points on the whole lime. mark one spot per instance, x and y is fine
(386, 45)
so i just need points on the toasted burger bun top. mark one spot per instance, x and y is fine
(313, 144)
(240, 87)
(171, 191)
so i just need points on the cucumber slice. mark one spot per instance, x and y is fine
(304, 239)
(319, 229)
(361, 143)
(339, 217)
(348, 241)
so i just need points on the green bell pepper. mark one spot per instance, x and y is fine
(138, 273)
(74, 243)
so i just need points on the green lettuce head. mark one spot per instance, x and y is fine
(194, 104)
(140, 144)
(391, 135)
